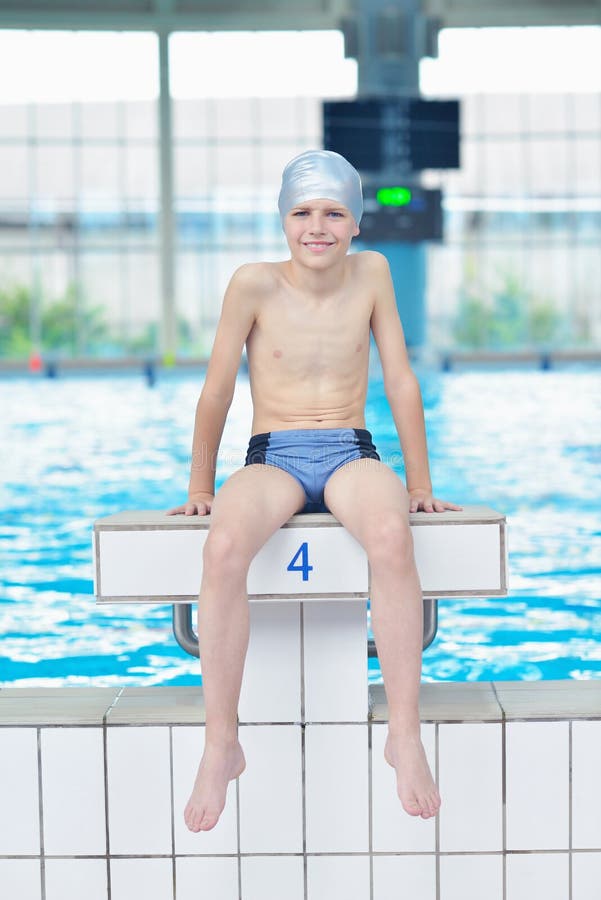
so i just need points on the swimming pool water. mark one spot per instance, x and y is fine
(527, 443)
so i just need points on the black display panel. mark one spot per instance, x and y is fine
(404, 133)
(434, 134)
(355, 130)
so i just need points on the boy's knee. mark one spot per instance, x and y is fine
(222, 550)
(390, 539)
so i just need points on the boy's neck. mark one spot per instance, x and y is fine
(317, 283)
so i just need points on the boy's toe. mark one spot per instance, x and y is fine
(193, 818)
(209, 821)
(412, 806)
(427, 807)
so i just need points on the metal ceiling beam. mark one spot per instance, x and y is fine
(491, 13)
(275, 15)
(172, 15)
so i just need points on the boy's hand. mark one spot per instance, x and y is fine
(197, 505)
(419, 497)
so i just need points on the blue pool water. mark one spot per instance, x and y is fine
(526, 443)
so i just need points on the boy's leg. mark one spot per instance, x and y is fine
(372, 503)
(252, 504)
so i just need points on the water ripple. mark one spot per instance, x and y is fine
(527, 443)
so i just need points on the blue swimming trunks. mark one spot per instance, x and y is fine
(311, 455)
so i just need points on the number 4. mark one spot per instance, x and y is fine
(304, 567)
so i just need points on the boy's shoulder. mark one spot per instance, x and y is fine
(370, 259)
(253, 271)
(254, 274)
(261, 277)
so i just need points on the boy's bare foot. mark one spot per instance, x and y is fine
(417, 791)
(220, 764)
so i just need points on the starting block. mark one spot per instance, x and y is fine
(308, 586)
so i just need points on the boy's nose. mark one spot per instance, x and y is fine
(316, 225)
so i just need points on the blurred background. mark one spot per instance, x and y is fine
(141, 150)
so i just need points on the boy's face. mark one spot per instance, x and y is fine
(319, 230)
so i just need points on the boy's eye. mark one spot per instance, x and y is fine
(305, 212)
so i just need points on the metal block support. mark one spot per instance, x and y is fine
(187, 638)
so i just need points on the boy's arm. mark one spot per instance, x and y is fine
(400, 383)
(238, 315)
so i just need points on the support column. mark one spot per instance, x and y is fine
(390, 41)
(306, 662)
(408, 267)
(167, 219)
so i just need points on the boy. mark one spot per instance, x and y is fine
(306, 324)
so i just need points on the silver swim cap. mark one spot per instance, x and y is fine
(320, 174)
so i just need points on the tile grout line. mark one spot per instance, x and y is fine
(106, 797)
(238, 828)
(537, 851)
(503, 787)
(504, 800)
(105, 716)
(303, 726)
(370, 808)
(41, 814)
(172, 798)
(238, 853)
(304, 814)
(570, 810)
(437, 819)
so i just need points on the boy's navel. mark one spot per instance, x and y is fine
(277, 353)
(358, 348)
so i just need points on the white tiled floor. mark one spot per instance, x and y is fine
(151, 879)
(337, 877)
(336, 758)
(272, 878)
(73, 786)
(139, 790)
(271, 808)
(20, 879)
(393, 829)
(471, 815)
(586, 785)
(143, 759)
(74, 879)
(208, 878)
(586, 876)
(472, 878)
(188, 745)
(544, 875)
(20, 808)
(537, 785)
(404, 878)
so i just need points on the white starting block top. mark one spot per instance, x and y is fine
(150, 557)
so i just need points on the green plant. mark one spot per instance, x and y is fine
(71, 326)
(68, 325)
(471, 325)
(508, 316)
(15, 306)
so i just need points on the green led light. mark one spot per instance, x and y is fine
(394, 196)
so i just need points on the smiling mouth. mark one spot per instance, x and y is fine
(318, 244)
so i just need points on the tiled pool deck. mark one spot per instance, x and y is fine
(93, 783)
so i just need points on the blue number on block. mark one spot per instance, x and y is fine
(304, 567)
